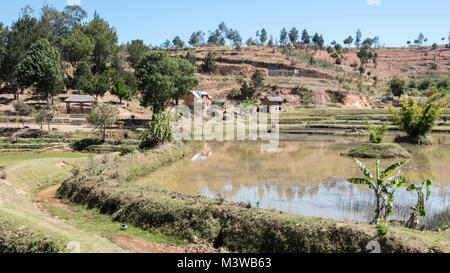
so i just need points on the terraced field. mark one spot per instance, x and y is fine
(341, 121)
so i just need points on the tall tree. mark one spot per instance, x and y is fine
(184, 79)
(178, 43)
(77, 47)
(305, 37)
(283, 37)
(348, 41)
(3, 45)
(23, 33)
(223, 29)
(76, 14)
(209, 63)
(161, 78)
(316, 39)
(194, 40)
(358, 38)
(41, 68)
(121, 90)
(216, 38)
(96, 85)
(59, 24)
(421, 38)
(293, 35)
(136, 50)
(235, 38)
(104, 38)
(263, 36)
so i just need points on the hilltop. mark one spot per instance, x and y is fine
(289, 71)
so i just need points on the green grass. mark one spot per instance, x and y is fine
(14, 158)
(90, 220)
(384, 150)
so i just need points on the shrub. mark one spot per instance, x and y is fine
(418, 120)
(103, 116)
(235, 92)
(376, 133)
(444, 83)
(209, 63)
(338, 61)
(83, 144)
(397, 86)
(23, 109)
(425, 84)
(257, 79)
(160, 131)
(347, 86)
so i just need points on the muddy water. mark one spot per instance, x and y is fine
(48, 195)
(303, 177)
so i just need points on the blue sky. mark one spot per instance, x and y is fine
(394, 21)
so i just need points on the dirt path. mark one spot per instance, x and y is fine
(48, 195)
(126, 242)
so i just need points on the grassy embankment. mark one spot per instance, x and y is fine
(27, 175)
(223, 223)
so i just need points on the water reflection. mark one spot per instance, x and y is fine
(204, 154)
(305, 177)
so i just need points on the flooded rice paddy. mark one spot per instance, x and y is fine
(304, 177)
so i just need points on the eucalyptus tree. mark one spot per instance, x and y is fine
(283, 37)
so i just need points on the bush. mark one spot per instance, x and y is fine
(103, 116)
(123, 149)
(418, 120)
(209, 63)
(83, 144)
(257, 79)
(376, 133)
(160, 131)
(397, 86)
(425, 84)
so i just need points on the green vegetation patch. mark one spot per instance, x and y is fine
(123, 149)
(384, 150)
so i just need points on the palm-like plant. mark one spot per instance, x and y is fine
(384, 188)
(419, 209)
(160, 130)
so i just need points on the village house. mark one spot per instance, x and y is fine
(198, 96)
(273, 101)
(80, 100)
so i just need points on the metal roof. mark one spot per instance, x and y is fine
(80, 99)
(200, 94)
(274, 99)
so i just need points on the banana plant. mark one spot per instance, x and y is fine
(419, 209)
(384, 188)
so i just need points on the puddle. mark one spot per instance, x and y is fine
(48, 195)
(136, 246)
(139, 246)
